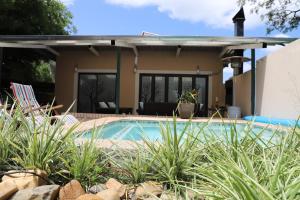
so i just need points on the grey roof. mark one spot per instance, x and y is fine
(136, 41)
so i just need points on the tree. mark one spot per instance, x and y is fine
(35, 17)
(31, 17)
(280, 15)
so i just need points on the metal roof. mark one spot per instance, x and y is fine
(62, 40)
(50, 42)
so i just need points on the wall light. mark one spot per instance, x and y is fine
(198, 69)
(76, 67)
(135, 68)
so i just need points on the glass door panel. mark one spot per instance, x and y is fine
(159, 93)
(146, 87)
(173, 89)
(95, 88)
(200, 86)
(106, 87)
(86, 92)
(187, 84)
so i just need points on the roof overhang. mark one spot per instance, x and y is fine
(50, 42)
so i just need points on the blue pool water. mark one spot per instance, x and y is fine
(136, 130)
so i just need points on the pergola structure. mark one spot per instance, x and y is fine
(226, 45)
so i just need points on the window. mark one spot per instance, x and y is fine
(146, 88)
(187, 84)
(173, 89)
(165, 88)
(95, 88)
(159, 95)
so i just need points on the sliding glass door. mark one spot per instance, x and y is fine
(166, 88)
(94, 88)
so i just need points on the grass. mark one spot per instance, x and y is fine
(237, 164)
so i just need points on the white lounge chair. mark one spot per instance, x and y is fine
(25, 96)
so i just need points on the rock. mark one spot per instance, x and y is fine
(170, 196)
(25, 180)
(89, 197)
(97, 188)
(119, 187)
(71, 191)
(109, 194)
(7, 188)
(45, 192)
(149, 188)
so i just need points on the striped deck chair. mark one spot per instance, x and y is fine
(26, 98)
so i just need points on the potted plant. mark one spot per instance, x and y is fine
(186, 104)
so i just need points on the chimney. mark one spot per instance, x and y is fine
(238, 21)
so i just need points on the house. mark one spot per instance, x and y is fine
(142, 71)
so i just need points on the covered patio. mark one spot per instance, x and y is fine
(135, 72)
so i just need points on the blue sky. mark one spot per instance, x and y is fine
(165, 17)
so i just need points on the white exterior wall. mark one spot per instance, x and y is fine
(278, 83)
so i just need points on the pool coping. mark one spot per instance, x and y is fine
(128, 144)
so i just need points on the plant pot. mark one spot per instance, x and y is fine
(186, 110)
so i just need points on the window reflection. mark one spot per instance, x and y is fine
(187, 84)
(94, 88)
(159, 89)
(146, 88)
(173, 89)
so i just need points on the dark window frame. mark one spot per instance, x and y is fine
(153, 75)
(97, 78)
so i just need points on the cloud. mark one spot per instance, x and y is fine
(216, 13)
(67, 2)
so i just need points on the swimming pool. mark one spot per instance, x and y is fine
(135, 130)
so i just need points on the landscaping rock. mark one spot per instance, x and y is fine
(148, 189)
(7, 188)
(89, 197)
(97, 188)
(119, 187)
(27, 180)
(71, 191)
(109, 194)
(170, 196)
(45, 192)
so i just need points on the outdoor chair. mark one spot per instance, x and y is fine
(25, 96)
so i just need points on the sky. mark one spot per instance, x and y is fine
(167, 17)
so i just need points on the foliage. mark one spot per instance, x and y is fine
(42, 72)
(233, 163)
(250, 167)
(189, 97)
(84, 162)
(39, 144)
(31, 17)
(175, 153)
(35, 17)
(282, 15)
(134, 166)
(8, 125)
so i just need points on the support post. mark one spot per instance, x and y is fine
(1, 61)
(117, 88)
(253, 80)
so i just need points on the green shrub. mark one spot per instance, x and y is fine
(8, 127)
(132, 166)
(175, 154)
(84, 162)
(250, 167)
(39, 145)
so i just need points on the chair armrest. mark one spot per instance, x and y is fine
(46, 108)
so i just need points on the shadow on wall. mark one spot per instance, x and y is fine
(260, 84)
